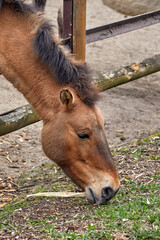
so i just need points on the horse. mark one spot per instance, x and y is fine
(126, 7)
(132, 7)
(60, 89)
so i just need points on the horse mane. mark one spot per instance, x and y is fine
(50, 51)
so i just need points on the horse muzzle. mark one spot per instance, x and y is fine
(107, 193)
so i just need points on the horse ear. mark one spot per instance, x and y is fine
(67, 98)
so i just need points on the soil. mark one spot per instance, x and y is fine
(131, 110)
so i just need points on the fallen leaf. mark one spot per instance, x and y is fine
(2, 205)
(37, 210)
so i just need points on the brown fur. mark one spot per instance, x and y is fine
(62, 95)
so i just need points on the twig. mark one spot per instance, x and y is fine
(11, 194)
(7, 190)
(25, 186)
(139, 175)
(8, 158)
(57, 194)
(150, 181)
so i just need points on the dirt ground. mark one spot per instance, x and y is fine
(131, 110)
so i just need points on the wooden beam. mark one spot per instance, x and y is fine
(79, 29)
(16, 119)
(128, 73)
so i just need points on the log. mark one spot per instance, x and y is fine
(128, 73)
(17, 119)
(24, 116)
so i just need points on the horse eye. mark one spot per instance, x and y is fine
(83, 135)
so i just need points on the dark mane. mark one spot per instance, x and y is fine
(52, 54)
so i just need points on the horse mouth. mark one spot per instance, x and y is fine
(93, 196)
(96, 200)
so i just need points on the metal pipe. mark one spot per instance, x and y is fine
(123, 26)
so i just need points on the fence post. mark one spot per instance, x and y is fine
(79, 29)
(66, 22)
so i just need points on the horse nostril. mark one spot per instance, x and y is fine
(107, 193)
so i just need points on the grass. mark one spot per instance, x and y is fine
(130, 212)
(133, 214)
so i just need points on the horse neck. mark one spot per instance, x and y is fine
(21, 67)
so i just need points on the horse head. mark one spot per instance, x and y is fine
(76, 141)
